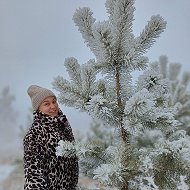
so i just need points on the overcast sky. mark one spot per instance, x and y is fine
(37, 35)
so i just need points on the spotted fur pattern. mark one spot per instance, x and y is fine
(43, 169)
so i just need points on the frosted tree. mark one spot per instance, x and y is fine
(150, 149)
(8, 119)
(101, 138)
(7, 113)
(179, 91)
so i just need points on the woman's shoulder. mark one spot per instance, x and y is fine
(34, 131)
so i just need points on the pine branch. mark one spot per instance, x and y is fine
(174, 70)
(84, 20)
(152, 30)
(121, 18)
(102, 41)
(69, 95)
(74, 71)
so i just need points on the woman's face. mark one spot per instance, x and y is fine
(49, 106)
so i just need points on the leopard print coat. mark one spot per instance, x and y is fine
(43, 169)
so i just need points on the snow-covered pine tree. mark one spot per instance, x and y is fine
(179, 91)
(7, 113)
(137, 112)
(100, 137)
(8, 120)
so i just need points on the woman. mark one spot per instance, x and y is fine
(43, 169)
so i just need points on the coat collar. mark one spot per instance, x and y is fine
(42, 117)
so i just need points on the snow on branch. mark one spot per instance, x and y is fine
(99, 107)
(69, 95)
(152, 30)
(121, 16)
(74, 71)
(102, 41)
(121, 20)
(140, 104)
(84, 20)
(83, 85)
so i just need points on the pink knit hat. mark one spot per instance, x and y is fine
(38, 94)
